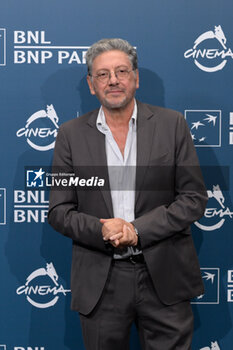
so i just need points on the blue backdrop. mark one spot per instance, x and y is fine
(186, 63)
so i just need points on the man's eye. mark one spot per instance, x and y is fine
(122, 70)
(104, 74)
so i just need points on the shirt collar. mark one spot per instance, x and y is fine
(101, 120)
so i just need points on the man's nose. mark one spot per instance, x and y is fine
(113, 78)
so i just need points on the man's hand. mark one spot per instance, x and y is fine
(119, 232)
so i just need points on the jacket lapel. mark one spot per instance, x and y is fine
(96, 145)
(145, 134)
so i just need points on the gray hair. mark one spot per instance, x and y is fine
(104, 45)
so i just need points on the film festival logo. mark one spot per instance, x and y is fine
(41, 129)
(216, 213)
(209, 52)
(214, 346)
(211, 278)
(42, 289)
(205, 127)
(2, 206)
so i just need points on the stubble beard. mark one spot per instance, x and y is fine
(113, 106)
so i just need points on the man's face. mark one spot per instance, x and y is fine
(114, 93)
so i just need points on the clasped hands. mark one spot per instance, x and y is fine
(119, 232)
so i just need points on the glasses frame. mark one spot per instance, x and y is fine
(116, 73)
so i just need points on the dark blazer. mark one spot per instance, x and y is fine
(170, 195)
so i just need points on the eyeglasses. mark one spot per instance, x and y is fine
(120, 74)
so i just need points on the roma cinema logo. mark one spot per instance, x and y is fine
(41, 288)
(41, 129)
(209, 52)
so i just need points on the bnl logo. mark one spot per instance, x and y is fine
(230, 285)
(205, 127)
(210, 277)
(35, 178)
(3, 347)
(2, 207)
(2, 47)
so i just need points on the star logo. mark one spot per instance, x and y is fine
(39, 174)
(196, 125)
(211, 119)
(205, 127)
(35, 178)
(209, 276)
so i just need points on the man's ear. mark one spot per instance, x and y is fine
(90, 84)
(137, 79)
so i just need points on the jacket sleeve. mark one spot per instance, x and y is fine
(190, 195)
(63, 213)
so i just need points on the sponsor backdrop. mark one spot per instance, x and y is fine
(186, 63)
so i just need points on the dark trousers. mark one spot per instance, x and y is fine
(128, 297)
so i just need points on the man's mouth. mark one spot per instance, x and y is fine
(114, 91)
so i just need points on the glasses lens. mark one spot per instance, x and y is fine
(102, 76)
(122, 73)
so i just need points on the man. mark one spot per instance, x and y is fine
(133, 254)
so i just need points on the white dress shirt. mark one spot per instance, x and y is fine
(122, 173)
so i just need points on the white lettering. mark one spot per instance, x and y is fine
(19, 56)
(101, 182)
(33, 56)
(42, 198)
(35, 215)
(208, 53)
(43, 41)
(230, 276)
(73, 181)
(33, 197)
(33, 37)
(82, 182)
(45, 55)
(189, 53)
(211, 54)
(19, 196)
(40, 132)
(32, 215)
(43, 132)
(42, 290)
(62, 55)
(200, 53)
(84, 57)
(230, 295)
(19, 37)
(72, 57)
(64, 182)
(44, 215)
(29, 348)
(211, 212)
(19, 216)
(29, 37)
